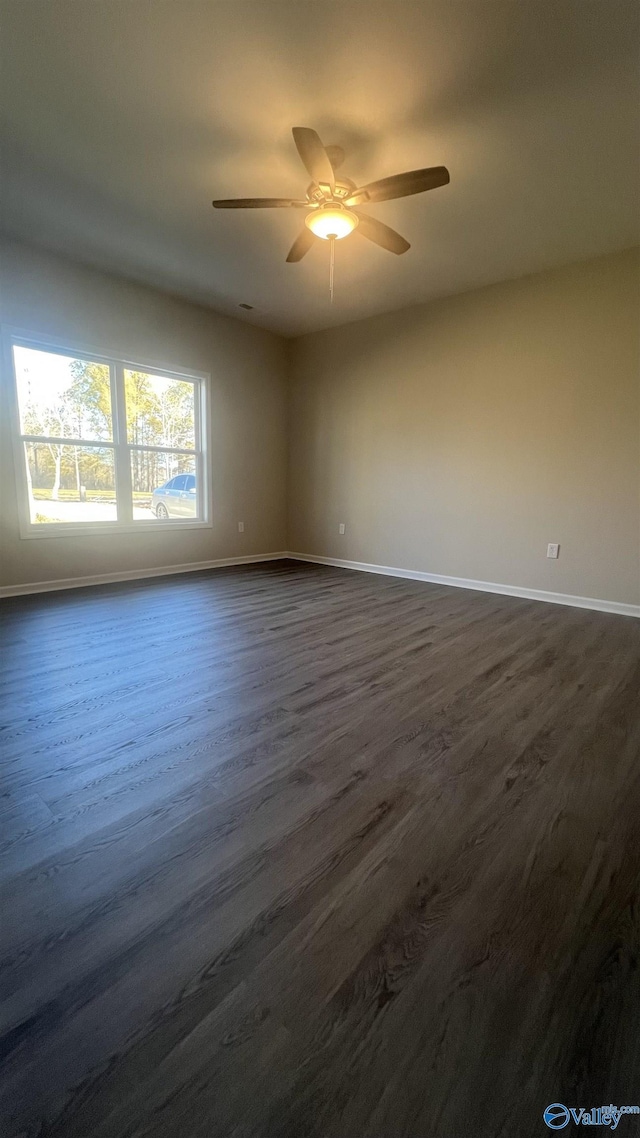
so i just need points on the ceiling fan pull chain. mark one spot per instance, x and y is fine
(332, 246)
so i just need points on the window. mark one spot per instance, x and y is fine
(103, 443)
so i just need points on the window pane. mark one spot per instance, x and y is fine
(157, 493)
(62, 395)
(160, 412)
(70, 484)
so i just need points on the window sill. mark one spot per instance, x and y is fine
(86, 529)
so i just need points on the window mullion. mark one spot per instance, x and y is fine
(70, 441)
(162, 449)
(122, 460)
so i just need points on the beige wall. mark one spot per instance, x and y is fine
(459, 438)
(50, 296)
(456, 438)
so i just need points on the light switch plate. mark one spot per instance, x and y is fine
(553, 550)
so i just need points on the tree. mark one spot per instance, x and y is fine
(53, 420)
(160, 414)
(89, 399)
(144, 428)
(82, 410)
(89, 402)
(177, 414)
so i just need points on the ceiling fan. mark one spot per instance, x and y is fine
(331, 201)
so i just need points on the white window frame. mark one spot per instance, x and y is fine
(119, 443)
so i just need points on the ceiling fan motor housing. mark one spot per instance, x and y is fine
(317, 194)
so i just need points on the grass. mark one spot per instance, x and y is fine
(140, 497)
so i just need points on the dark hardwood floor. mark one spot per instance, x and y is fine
(294, 851)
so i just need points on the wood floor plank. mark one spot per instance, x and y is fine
(293, 852)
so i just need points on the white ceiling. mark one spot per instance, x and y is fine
(122, 119)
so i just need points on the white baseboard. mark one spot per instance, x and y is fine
(133, 575)
(361, 566)
(480, 586)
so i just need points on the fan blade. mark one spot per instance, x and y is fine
(401, 185)
(314, 156)
(381, 234)
(258, 203)
(301, 245)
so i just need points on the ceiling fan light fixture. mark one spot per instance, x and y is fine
(331, 221)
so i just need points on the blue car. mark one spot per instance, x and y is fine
(177, 498)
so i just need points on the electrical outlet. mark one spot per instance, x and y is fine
(240, 527)
(553, 550)
(342, 527)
